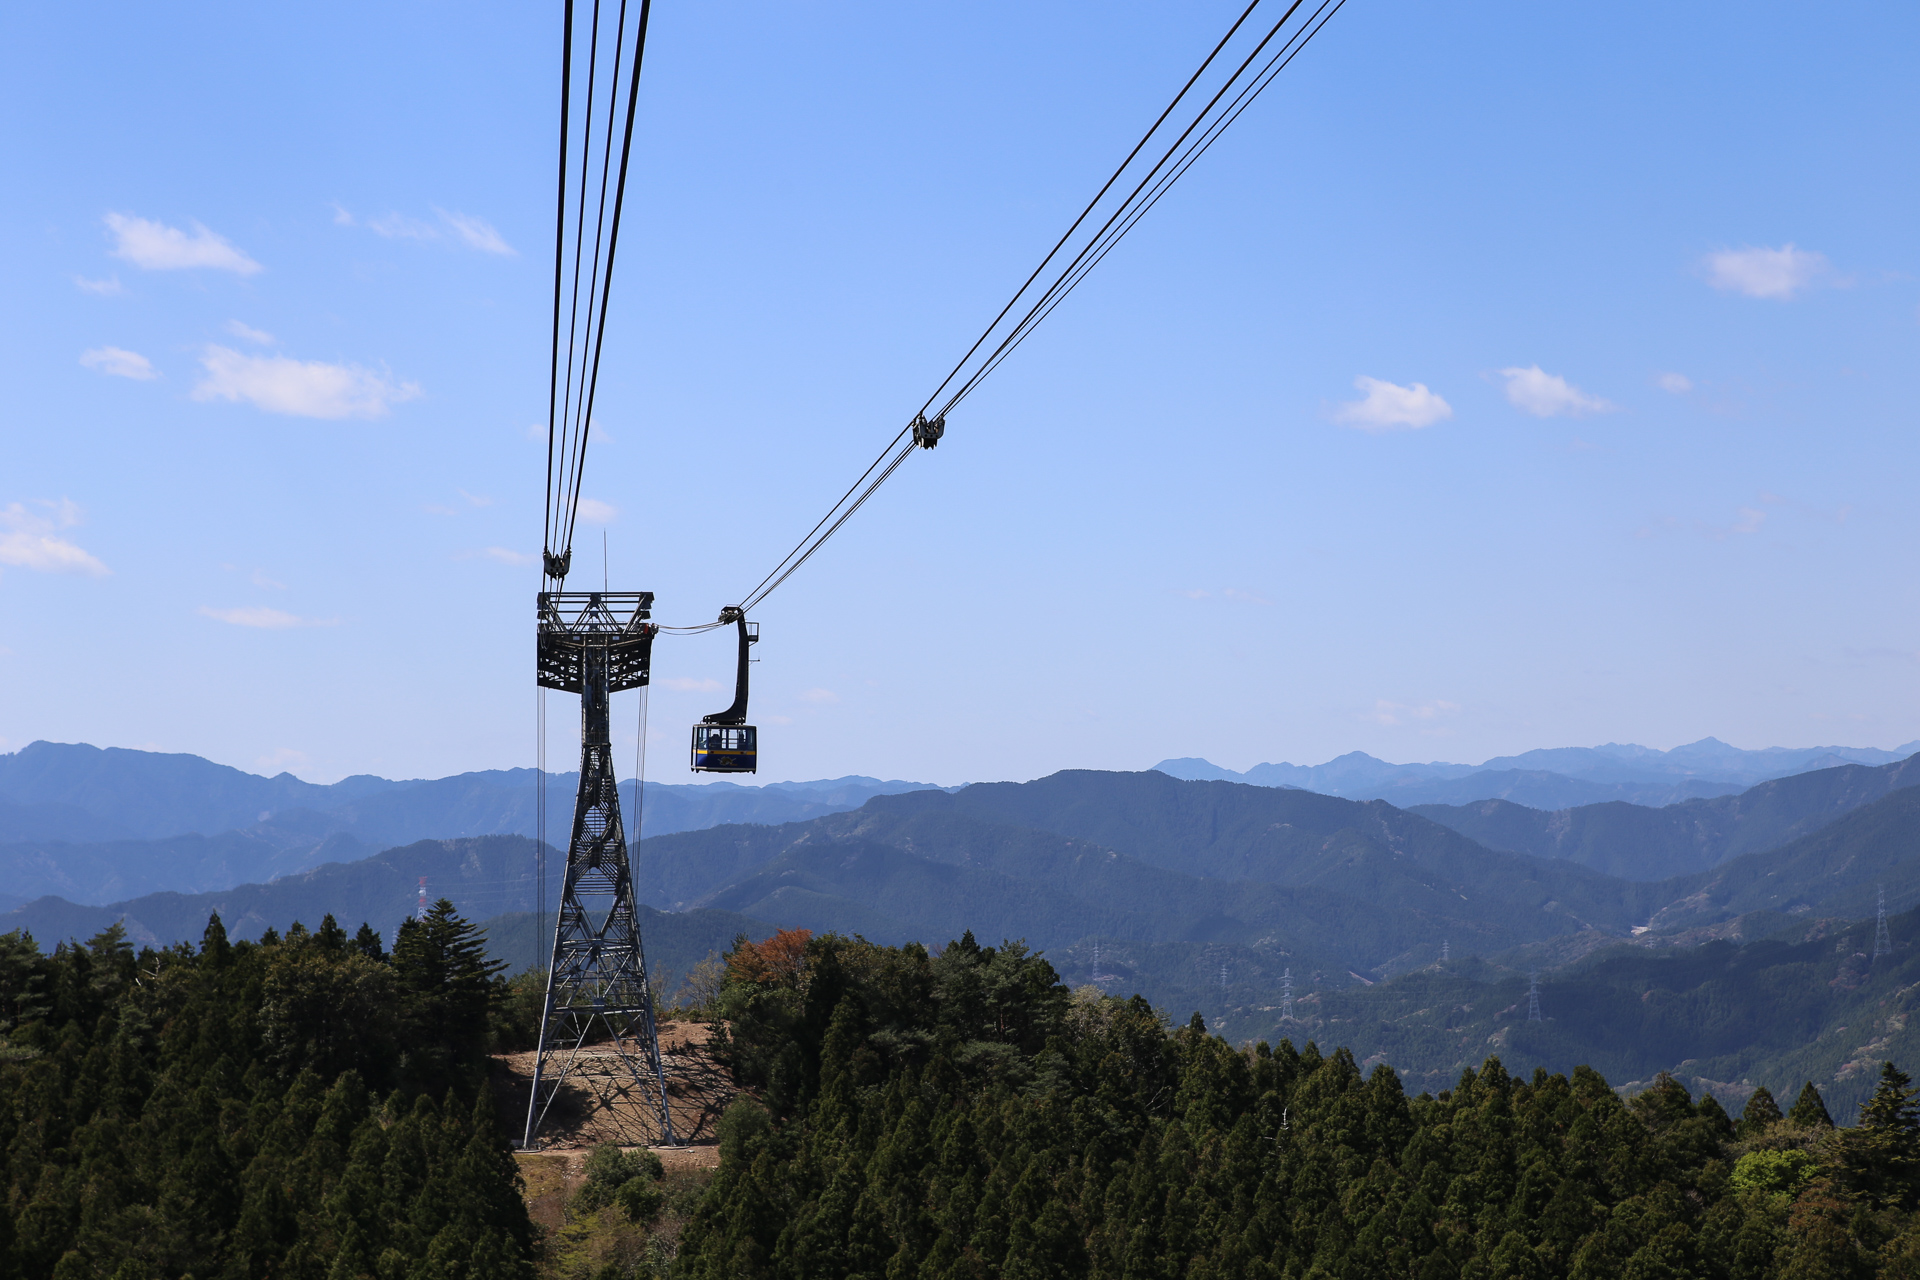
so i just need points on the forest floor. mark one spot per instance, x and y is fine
(576, 1245)
(698, 1089)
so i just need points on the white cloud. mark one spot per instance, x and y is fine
(105, 288)
(248, 332)
(475, 499)
(118, 363)
(475, 233)
(259, 615)
(28, 539)
(158, 247)
(398, 226)
(1390, 407)
(501, 555)
(1765, 273)
(1548, 395)
(820, 696)
(594, 511)
(462, 228)
(688, 684)
(260, 579)
(304, 388)
(1676, 383)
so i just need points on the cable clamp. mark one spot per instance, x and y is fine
(557, 565)
(927, 434)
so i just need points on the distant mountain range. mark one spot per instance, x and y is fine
(1550, 778)
(1208, 895)
(99, 826)
(1338, 887)
(1640, 843)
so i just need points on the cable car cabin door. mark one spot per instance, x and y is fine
(724, 748)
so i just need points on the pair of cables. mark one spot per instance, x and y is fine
(1235, 72)
(609, 53)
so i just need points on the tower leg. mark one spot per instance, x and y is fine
(597, 1031)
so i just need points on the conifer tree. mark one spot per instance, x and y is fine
(1760, 1114)
(1810, 1109)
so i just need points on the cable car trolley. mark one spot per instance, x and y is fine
(724, 742)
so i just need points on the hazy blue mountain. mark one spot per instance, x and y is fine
(1144, 857)
(1835, 871)
(142, 795)
(1653, 844)
(96, 826)
(115, 870)
(673, 941)
(1548, 778)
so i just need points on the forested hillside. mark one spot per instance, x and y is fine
(1335, 883)
(1641, 843)
(306, 1106)
(961, 1114)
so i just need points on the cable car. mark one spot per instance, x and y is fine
(724, 742)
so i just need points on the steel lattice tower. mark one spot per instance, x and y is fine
(1533, 996)
(597, 1029)
(1882, 942)
(1286, 995)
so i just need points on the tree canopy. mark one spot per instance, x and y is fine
(305, 1106)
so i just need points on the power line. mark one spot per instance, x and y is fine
(1186, 147)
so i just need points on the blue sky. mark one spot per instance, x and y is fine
(1512, 375)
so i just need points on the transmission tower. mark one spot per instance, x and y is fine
(1286, 996)
(1533, 997)
(1443, 951)
(1882, 943)
(597, 1032)
(1223, 977)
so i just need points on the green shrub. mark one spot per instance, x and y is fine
(1774, 1172)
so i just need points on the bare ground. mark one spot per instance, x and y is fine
(698, 1090)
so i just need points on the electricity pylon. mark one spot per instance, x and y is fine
(1286, 996)
(1533, 996)
(596, 1028)
(1882, 943)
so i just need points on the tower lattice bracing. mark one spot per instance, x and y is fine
(599, 1059)
(1882, 941)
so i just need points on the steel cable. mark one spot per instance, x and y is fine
(1210, 121)
(574, 379)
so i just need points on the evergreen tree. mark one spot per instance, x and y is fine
(1760, 1114)
(1810, 1109)
(205, 1112)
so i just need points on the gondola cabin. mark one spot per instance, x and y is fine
(724, 748)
